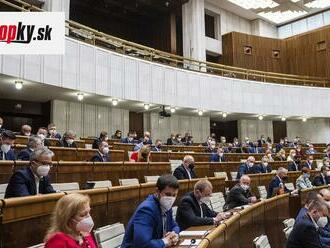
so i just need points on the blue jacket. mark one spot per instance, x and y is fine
(98, 157)
(293, 166)
(24, 154)
(10, 155)
(274, 184)
(145, 228)
(216, 158)
(255, 149)
(22, 183)
(245, 169)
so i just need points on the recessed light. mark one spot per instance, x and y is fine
(304, 119)
(172, 109)
(80, 96)
(260, 117)
(200, 112)
(146, 106)
(18, 85)
(283, 118)
(114, 102)
(224, 114)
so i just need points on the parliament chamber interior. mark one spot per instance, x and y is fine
(166, 123)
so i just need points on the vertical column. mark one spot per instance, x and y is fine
(261, 28)
(193, 28)
(58, 6)
(173, 33)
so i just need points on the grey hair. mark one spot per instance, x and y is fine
(40, 152)
(188, 158)
(69, 133)
(33, 141)
(281, 170)
(202, 184)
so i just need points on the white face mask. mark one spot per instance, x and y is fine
(5, 148)
(166, 202)
(265, 164)
(328, 173)
(27, 134)
(0, 125)
(221, 154)
(250, 164)
(205, 199)
(69, 141)
(106, 138)
(105, 150)
(326, 163)
(41, 136)
(322, 221)
(85, 225)
(43, 170)
(212, 146)
(245, 187)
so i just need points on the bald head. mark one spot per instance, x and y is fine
(325, 193)
(282, 172)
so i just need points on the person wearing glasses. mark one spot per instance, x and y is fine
(33, 179)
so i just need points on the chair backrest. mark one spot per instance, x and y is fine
(288, 222)
(101, 184)
(233, 175)
(3, 190)
(290, 186)
(262, 191)
(175, 164)
(174, 209)
(221, 174)
(130, 181)
(42, 245)
(261, 242)
(110, 236)
(151, 179)
(217, 201)
(287, 231)
(65, 186)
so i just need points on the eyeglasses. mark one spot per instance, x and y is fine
(44, 163)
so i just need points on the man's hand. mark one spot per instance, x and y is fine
(253, 199)
(172, 238)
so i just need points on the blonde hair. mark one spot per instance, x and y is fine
(143, 155)
(66, 208)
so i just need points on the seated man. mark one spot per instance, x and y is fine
(42, 134)
(152, 223)
(34, 142)
(170, 141)
(178, 140)
(1, 126)
(34, 179)
(129, 139)
(265, 167)
(145, 141)
(247, 167)
(309, 163)
(102, 154)
(324, 225)
(310, 150)
(186, 170)
(218, 156)
(68, 140)
(311, 196)
(303, 181)
(187, 140)
(6, 141)
(305, 231)
(276, 185)
(192, 209)
(25, 130)
(253, 148)
(323, 178)
(240, 194)
(116, 135)
(157, 147)
(294, 163)
(53, 134)
(211, 148)
(103, 137)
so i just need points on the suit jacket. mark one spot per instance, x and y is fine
(98, 157)
(245, 169)
(254, 150)
(304, 234)
(189, 212)
(63, 143)
(275, 184)
(10, 155)
(96, 143)
(236, 197)
(57, 136)
(46, 142)
(22, 183)
(293, 166)
(319, 180)
(263, 169)
(278, 147)
(156, 149)
(169, 141)
(181, 173)
(216, 158)
(145, 228)
(308, 165)
(24, 154)
(126, 141)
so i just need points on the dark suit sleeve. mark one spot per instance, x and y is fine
(172, 223)
(209, 212)
(237, 194)
(178, 174)
(23, 155)
(74, 145)
(317, 181)
(48, 187)
(96, 158)
(214, 157)
(241, 171)
(17, 186)
(270, 189)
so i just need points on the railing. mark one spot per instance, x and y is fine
(97, 38)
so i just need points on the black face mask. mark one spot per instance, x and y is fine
(144, 155)
(159, 146)
(285, 179)
(191, 166)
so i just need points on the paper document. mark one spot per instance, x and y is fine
(193, 233)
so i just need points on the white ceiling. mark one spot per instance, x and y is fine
(298, 8)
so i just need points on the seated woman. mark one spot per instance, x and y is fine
(141, 155)
(71, 223)
(303, 181)
(280, 156)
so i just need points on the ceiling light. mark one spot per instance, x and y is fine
(114, 102)
(146, 106)
(282, 16)
(80, 96)
(283, 118)
(295, 1)
(18, 85)
(255, 4)
(318, 4)
(172, 109)
(200, 112)
(260, 117)
(304, 119)
(224, 114)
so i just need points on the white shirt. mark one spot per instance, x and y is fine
(187, 170)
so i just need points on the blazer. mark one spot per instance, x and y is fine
(98, 157)
(126, 141)
(255, 150)
(61, 239)
(236, 197)
(57, 136)
(308, 165)
(145, 228)
(303, 183)
(24, 154)
(216, 158)
(245, 169)
(22, 183)
(10, 155)
(275, 184)
(304, 234)
(169, 141)
(96, 143)
(63, 143)
(189, 212)
(293, 166)
(181, 173)
(156, 149)
(319, 180)
(263, 169)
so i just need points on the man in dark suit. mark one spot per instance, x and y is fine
(264, 167)
(323, 178)
(53, 134)
(240, 194)
(34, 142)
(103, 137)
(34, 179)
(247, 167)
(102, 154)
(152, 223)
(1, 126)
(261, 141)
(68, 140)
(193, 209)
(294, 164)
(170, 140)
(218, 156)
(305, 232)
(280, 145)
(186, 170)
(254, 148)
(25, 130)
(277, 184)
(42, 134)
(129, 139)
(6, 141)
(157, 147)
(309, 163)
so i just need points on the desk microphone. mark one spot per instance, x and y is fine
(192, 242)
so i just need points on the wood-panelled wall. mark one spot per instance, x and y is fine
(304, 54)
